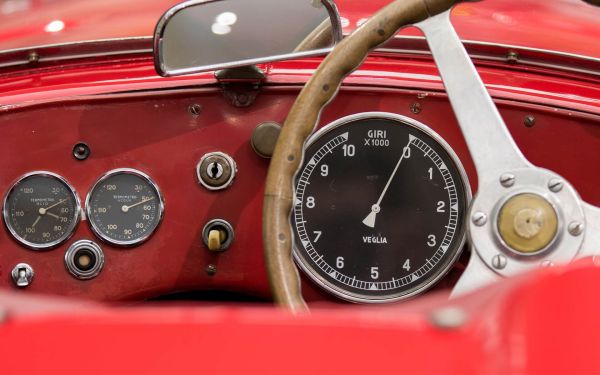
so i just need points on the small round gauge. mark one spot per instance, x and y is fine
(379, 208)
(41, 210)
(124, 207)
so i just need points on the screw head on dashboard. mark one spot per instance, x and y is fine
(529, 121)
(415, 108)
(479, 218)
(499, 261)
(507, 179)
(33, 57)
(211, 270)
(512, 57)
(195, 110)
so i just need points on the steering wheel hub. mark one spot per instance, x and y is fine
(527, 223)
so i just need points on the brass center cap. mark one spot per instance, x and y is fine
(527, 223)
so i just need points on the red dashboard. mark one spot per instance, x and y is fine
(555, 120)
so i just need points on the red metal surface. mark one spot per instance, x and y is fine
(538, 323)
(137, 130)
(544, 323)
(574, 24)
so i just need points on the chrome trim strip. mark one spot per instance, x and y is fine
(498, 52)
(414, 45)
(164, 19)
(76, 51)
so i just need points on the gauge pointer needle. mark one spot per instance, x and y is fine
(44, 210)
(36, 221)
(370, 219)
(53, 215)
(126, 208)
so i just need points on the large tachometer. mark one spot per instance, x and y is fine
(379, 208)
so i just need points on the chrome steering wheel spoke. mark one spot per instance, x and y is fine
(523, 217)
(491, 145)
(591, 241)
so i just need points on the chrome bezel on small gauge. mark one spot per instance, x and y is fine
(98, 232)
(68, 233)
(461, 235)
(70, 259)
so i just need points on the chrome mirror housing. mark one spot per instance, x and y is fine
(205, 35)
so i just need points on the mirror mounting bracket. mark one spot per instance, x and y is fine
(240, 86)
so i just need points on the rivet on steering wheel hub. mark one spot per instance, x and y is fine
(527, 223)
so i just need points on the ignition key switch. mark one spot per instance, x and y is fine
(216, 171)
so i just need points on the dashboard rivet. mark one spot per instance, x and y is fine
(529, 121)
(448, 318)
(507, 179)
(512, 57)
(211, 270)
(555, 185)
(499, 261)
(195, 110)
(33, 57)
(479, 218)
(576, 228)
(415, 108)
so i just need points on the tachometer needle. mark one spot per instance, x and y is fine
(125, 208)
(376, 208)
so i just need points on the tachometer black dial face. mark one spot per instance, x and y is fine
(124, 207)
(41, 210)
(379, 208)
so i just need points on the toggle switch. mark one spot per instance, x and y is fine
(216, 238)
(22, 275)
(217, 235)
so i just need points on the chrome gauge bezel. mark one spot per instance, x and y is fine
(461, 235)
(68, 233)
(98, 232)
(70, 259)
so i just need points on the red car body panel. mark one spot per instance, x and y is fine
(574, 24)
(544, 322)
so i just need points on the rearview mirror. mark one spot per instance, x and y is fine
(205, 35)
